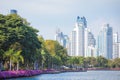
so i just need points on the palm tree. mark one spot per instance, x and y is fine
(13, 56)
(18, 58)
(9, 54)
(43, 58)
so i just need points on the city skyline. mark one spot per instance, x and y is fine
(82, 41)
(62, 14)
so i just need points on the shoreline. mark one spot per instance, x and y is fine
(30, 73)
(23, 73)
(105, 69)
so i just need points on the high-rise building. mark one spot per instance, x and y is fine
(105, 42)
(73, 44)
(89, 43)
(59, 37)
(77, 37)
(116, 50)
(119, 49)
(115, 37)
(116, 46)
(13, 11)
(82, 20)
(63, 40)
(67, 44)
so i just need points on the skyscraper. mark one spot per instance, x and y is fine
(115, 37)
(73, 43)
(116, 46)
(77, 37)
(119, 49)
(105, 42)
(61, 38)
(89, 43)
(13, 11)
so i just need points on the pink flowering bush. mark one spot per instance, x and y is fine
(22, 73)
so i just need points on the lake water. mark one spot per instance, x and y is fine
(89, 75)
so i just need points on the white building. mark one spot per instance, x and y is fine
(77, 37)
(116, 46)
(119, 49)
(105, 42)
(89, 44)
(115, 37)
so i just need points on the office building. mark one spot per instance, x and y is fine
(61, 38)
(89, 43)
(105, 42)
(13, 11)
(77, 37)
(116, 46)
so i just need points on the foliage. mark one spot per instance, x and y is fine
(16, 31)
(57, 51)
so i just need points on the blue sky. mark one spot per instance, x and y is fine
(48, 15)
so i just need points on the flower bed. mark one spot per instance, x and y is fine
(22, 73)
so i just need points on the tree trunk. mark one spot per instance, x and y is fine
(42, 65)
(0, 66)
(10, 64)
(17, 65)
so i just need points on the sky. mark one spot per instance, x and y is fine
(49, 15)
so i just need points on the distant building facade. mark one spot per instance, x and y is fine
(116, 46)
(77, 37)
(62, 39)
(90, 43)
(13, 11)
(105, 42)
(82, 41)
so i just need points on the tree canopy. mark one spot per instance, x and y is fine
(14, 29)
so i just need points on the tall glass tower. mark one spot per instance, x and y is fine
(105, 42)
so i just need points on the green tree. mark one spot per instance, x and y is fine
(116, 62)
(90, 62)
(14, 29)
(55, 49)
(111, 64)
(18, 58)
(61, 52)
(13, 56)
(102, 62)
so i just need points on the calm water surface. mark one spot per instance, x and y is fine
(89, 75)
